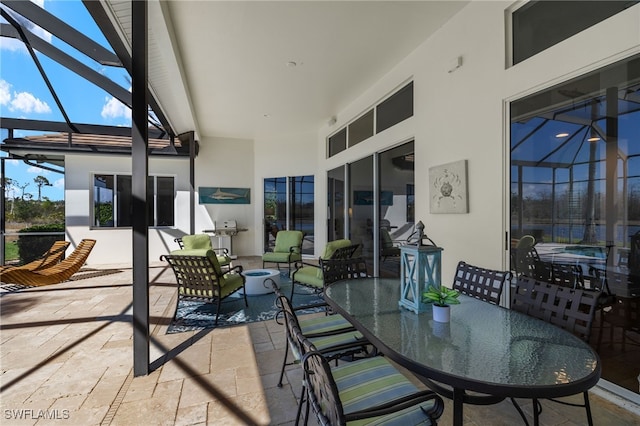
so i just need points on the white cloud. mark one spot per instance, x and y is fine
(59, 183)
(113, 108)
(12, 162)
(26, 102)
(5, 92)
(38, 171)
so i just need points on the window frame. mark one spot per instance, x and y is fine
(152, 196)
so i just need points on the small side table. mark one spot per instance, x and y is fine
(255, 278)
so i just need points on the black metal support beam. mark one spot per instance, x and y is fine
(58, 126)
(140, 172)
(2, 214)
(63, 31)
(192, 183)
(99, 15)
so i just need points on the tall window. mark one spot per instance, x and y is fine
(575, 187)
(289, 204)
(112, 201)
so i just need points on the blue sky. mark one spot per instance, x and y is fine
(24, 94)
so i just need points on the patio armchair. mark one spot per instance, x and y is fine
(287, 249)
(570, 309)
(311, 275)
(52, 256)
(200, 277)
(481, 283)
(366, 391)
(54, 274)
(203, 242)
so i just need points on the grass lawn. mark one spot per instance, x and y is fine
(10, 251)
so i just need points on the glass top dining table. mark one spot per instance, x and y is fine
(485, 348)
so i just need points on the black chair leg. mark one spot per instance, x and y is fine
(587, 407)
(284, 363)
(218, 311)
(302, 399)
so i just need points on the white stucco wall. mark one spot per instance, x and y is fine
(464, 115)
(459, 115)
(114, 246)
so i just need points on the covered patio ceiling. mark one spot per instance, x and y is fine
(252, 70)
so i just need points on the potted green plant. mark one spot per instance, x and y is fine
(441, 298)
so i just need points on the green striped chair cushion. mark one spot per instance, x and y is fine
(373, 381)
(324, 343)
(322, 324)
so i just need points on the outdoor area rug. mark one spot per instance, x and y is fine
(195, 315)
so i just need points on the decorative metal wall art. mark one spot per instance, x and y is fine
(448, 188)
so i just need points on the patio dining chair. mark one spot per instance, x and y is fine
(52, 256)
(481, 283)
(310, 275)
(366, 391)
(567, 308)
(55, 274)
(326, 332)
(200, 277)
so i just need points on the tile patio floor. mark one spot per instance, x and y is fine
(66, 353)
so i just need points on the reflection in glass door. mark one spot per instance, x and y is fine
(361, 207)
(275, 209)
(396, 206)
(335, 220)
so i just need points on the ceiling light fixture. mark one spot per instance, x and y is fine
(594, 139)
(562, 135)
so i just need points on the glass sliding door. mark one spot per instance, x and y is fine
(396, 205)
(336, 203)
(301, 205)
(361, 207)
(575, 187)
(289, 204)
(275, 209)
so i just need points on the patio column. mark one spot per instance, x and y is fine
(140, 172)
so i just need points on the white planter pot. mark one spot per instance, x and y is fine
(441, 313)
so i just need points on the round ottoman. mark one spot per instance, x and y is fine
(254, 279)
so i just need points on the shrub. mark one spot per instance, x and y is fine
(30, 247)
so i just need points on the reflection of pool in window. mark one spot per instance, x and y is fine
(590, 251)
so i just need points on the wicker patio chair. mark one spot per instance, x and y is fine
(49, 258)
(200, 277)
(369, 391)
(570, 309)
(481, 283)
(55, 274)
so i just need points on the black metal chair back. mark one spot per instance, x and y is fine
(336, 269)
(570, 309)
(481, 283)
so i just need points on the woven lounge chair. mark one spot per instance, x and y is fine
(55, 274)
(49, 258)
